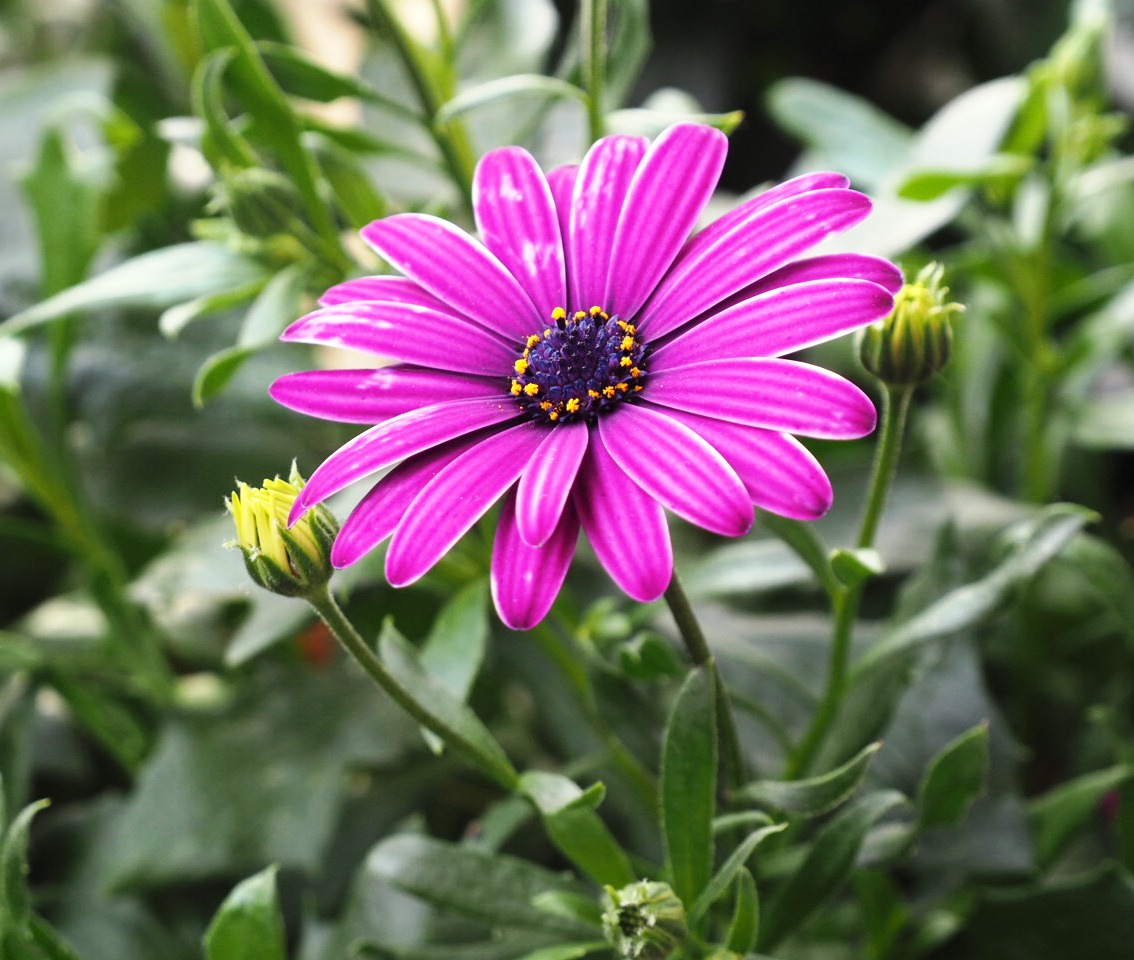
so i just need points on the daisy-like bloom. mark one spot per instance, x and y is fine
(590, 364)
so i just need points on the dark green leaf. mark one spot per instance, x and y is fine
(301, 76)
(729, 870)
(815, 795)
(571, 822)
(357, 197)
(1060, 813)
(15, 904)
(496, 889)
(221, 142)
(455, 647)
(152, 281)
(248, 925)
(827, 866)
(744, 929)
(688, 786)
(954, 779)
(215, 373)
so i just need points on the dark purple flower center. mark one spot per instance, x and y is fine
(581, 365)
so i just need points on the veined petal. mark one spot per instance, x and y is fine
(458, 496)
(782, 320)
(518, 223)
(397, 289)
(369, 396)
(545, 486)
(406, 332)
(561, 182)
(678, 469)
(779, 473)
(378, 514)
(526, 579)
(828, 266)
(625, 526)
(455, 268)
(601, 185)
(782, 395)
(671, 186)
(398, 438)
(708, 272)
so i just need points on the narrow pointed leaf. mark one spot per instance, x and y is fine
(721, 880)
(745, 926)
(954, 779)
(1060, 813)
(688, 786)
(816, 795)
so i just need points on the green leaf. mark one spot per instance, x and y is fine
(1106, 421)
(300, 76)
(494, 888)
(816, 795)
(927, 185)
(357, 198)
(729, 870)
(827, 866)
(855, 567)
(576, 830)
(688, 786)
(1037, 541)
(503, 88)
(215, 373)
(585, 909)
(221, 142)
(1060, 813)
(463, 729)
(954, 779)
(805, 541)
(248, 925)
(178, 317)
(455, 647)
(151, 281)
(745, 568)
(566, 951)
(15, 904)
(744, 929)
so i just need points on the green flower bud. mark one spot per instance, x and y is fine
(915, 341)
(644, 920)
(260, 202)
(288, 562)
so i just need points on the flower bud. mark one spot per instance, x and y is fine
(644, 920)
(915, 341)
(260, 202)
(288, 562)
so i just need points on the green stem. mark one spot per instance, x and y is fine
(592, 24)
(323, 602)
(451, 138)
(694, 639)
(845, 599)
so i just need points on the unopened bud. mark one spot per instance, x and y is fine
(915, 341)
(288, 562)
(260, 202)
(644, 920)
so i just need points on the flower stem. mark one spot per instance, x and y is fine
(694, 639)
(592, 24)
(845, 599)
(450, 137)
(324, 604)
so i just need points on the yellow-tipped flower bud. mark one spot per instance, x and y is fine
(915, 341)
(644, 920)
(288, 562)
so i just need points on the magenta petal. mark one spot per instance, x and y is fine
(625, 526)
(828, 266)
(369, 396)
(406, 332)
(526, 579)
(678, 469)
(707, 273)
(780, 321)
(394, 440)
(667, 196)
(561, 182)
(603, 179)
(455, 268)
(378, 514)
(398, 289)
(546, 484)
(456, 498)
(779, 473)
(517, 221)
(782, 395)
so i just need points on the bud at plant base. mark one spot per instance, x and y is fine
(644, 920)
(287, 562)
(914, 342)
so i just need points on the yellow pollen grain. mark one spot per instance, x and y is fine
(533, 340)
(593, 394)
(637, 387)
(554, 415)
(573, 405)
(558, 313)
(622, 387)
(627, 343)
(531, 389)
(624, 362)
(596, 311)
(608, 391)
(545, 405)
(580, 315)
(546, 333)
(635, 372)
(517, 389)
(521, 365)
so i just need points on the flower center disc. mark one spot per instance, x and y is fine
(583, 364)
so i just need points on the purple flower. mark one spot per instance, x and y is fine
(590, 364)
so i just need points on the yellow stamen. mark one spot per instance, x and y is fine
(624, 362)
(558, 313)
(593, 394)
(596, 311)
(622, 387)
(635, 372)
(531, 389)
(637, 387)
(554, 415)
(573, 405)
(517, 389)
(627, 343)
(580, 315)
(521, 365)
(608, 391)
(545, 405)
(534, 339)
